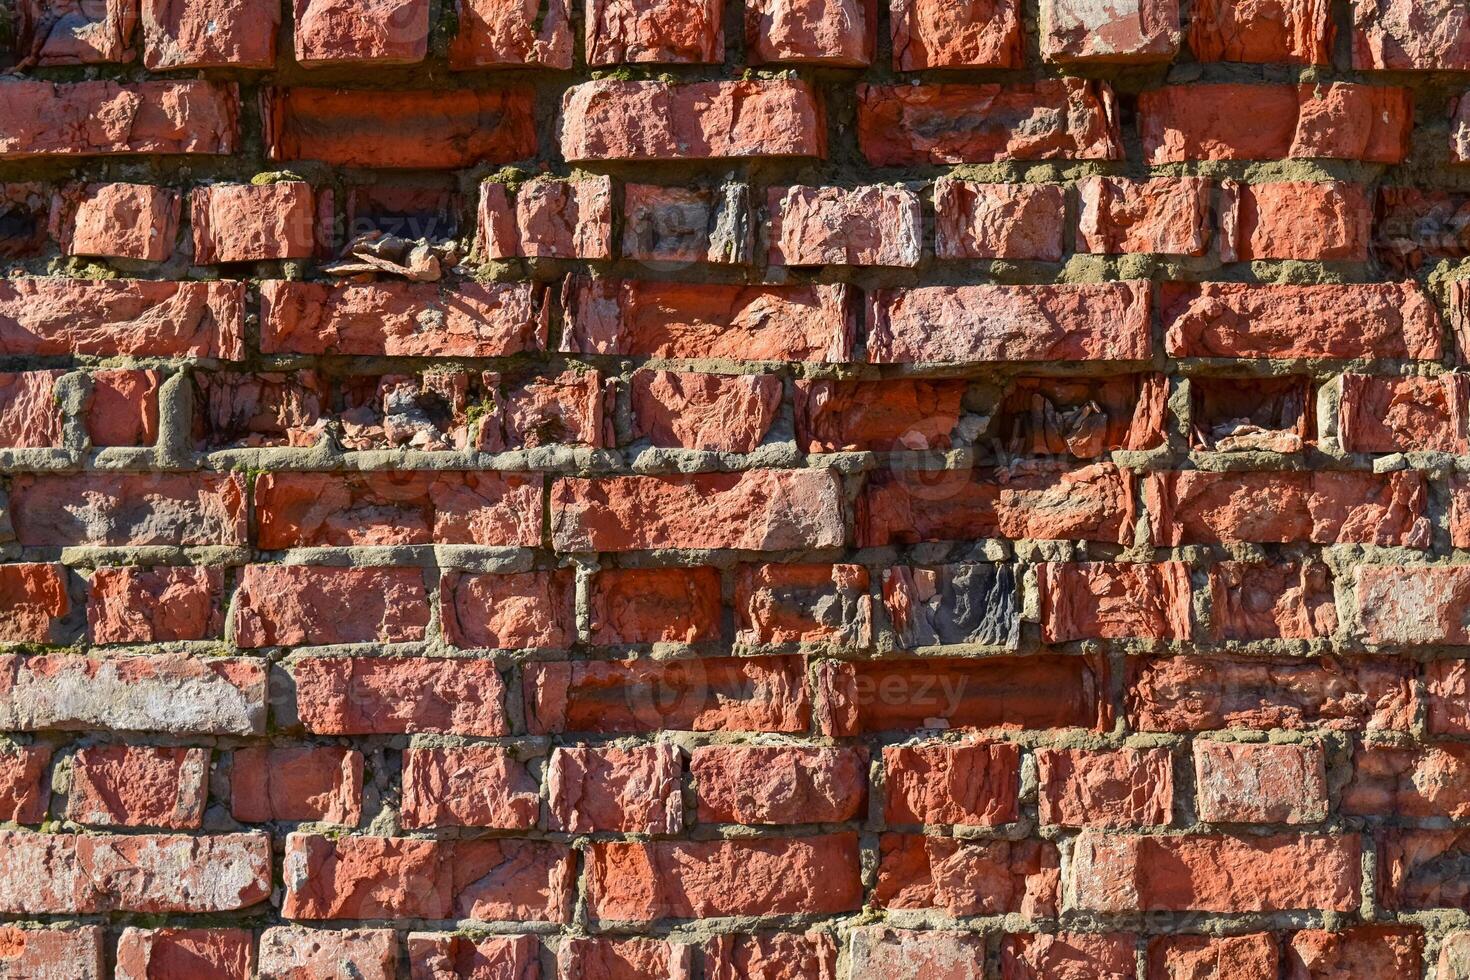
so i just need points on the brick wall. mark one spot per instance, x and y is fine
(794, 490)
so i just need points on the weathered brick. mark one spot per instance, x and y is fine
(1133, 31)
(1165, 215)
(877, 416)
(367, 696)
(52, 33)
(1215, 873)
(42, 316)
(253, 222)
(220, 954)
(913, 954)
(129, 509)
(1386, 415)
(609, 119)
(86, 119)
(1114, 600)
(1083, 417)
(1307, 220)
(123, 408)
(268, 409)
(296, 605)
(1269, 601)
(1296, 32)
(149, 605)
(468, 786)
(1213, 957)
(126, 221)
(633, 790)
(1420, 782)
(1454, 957)
(999, 221)
(651, 880)
(708, 412)
(1413, 225)
(956, 34)
(1238, 414)
(1400, 36)
(841, 33)
(139, 786)
(508, 33)
(1108, 788)
(1327, 507)
(654, 605)
(548, 218)
(318, 783)
(688, 224)
(949, 604)
(757, 510)
(872, 225)
(385, 32)
(971, 785)
(763, 694)
(777, 785)
(528, 610)
(33, 600)
(1231, 121)
(1420, 869)
(25, 208)
(1034, 956)
(447, 956)
(771, 956)
(296, 953)
(803, 604)
(1053, 119)
(25, 792)
(662, 31)
(967, 877)
(1413, 605)
(1194, 693)
(181, 34)
(1387, 951)
(1244, 782)
(73, 953)
(451, 128)
(627, 959)
(979, 323)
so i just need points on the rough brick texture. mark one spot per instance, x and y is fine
(734, 489)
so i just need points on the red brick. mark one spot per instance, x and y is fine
(1420, 869)
(129, 509)
(1083, 417)
(43, 316)
(688, 224)
(1035, 956)
(764, 694)
(1379, 320)
(999, 221)
(771, 956)
(654, 605)
(1214, 873)
(758, 785)
(1230, 121)
(1384, 951)
(1414, 225)
(971, 785)
(607, 119)
(1398, 35)
(165, 954)
(1094, 503)
(872, 225)
(651, 880)
(33, 598)
(1243, 782)
(508, 33)
(660, 31)
(913, 954)
(1454, 956)
(445, 956)
(1136, 31)
(86, 119)
(151, 605)
(1194, 693)
(828, 32)
(528, 610)
(1459, 516)
(172, 693)
(1295, 32)
(757, 510)
(877, 416)
(956, 34)
(1052, 119)
(296, 605)
(450, 129)
(1447, 685)
(1165, 215)
(1270, 601)
(386, 32)
(267, 409)
(995, 692)
(25, 792)
(1275, 415)
(1107, 788)
(51, 33)
(295, 953)
(634, 790)
(708, 412)
(409, 695)
(209, 34)
(123, 408)
(318, 783)
(253, 222)
(967, 877)
(626, 959)
(139, 786)
(706, 320)
(548, 217)
(980, 323)
(1306, 220)
(1329, 507)
(1388, 415)
(1213, 957)
(468, 786)
(963, 603)
(575, 407)
(73, 953)
(803, 604)
(401, 319)
(1114, 600)
(1415, 782)
(126, 221)
(393, 877)
(1459, 134)
(1413, 605)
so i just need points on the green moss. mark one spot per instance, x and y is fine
(275, 177)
